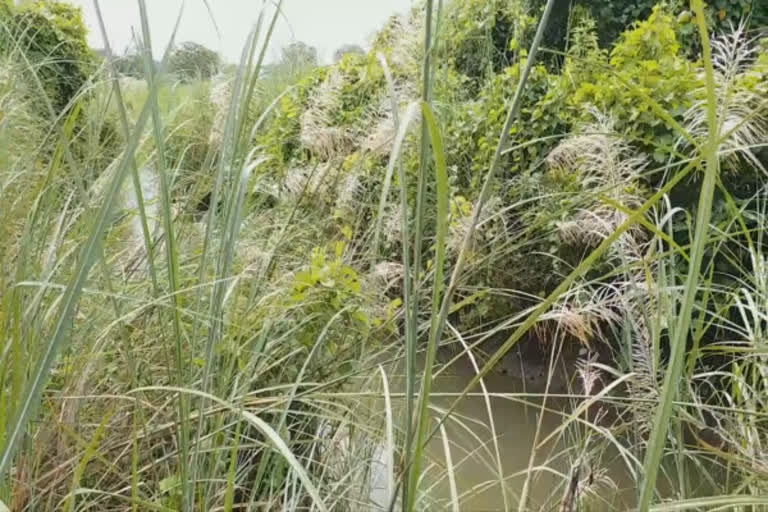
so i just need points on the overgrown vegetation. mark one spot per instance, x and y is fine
(232, 287)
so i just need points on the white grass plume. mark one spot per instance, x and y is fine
(318, 133)
(742, 111)
(606, 164)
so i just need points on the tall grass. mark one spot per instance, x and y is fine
(269, 369)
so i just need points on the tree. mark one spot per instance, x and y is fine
(344, 50)
(299, 55)
(192, 60)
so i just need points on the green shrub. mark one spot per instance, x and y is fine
(647, 60)
(615, 16)
(473, 128)
(327, 287)
(54, 39)
(280, 142)
(362, 82)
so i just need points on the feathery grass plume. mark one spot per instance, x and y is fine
(640, 305)
(220, 97)
(378, 139)
(316, 180)
(318, 131)
(349, 191)
(607, 164)
(392, 225)
(404, 55)
(742, 109)
(405, 41)
(588, 373)
(385, 276)
(582, 313)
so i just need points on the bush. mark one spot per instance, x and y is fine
(54, 38)
(616, 16)
(647, 60)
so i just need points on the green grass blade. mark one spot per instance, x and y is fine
(229, 496)
(658, 436)
(171, 251)
(442, 191)
(394, 159)
(419, 221)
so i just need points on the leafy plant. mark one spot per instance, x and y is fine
(53, 34)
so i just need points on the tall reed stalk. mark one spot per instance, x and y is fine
(681, 330)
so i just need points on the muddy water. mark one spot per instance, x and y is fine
(520, 425)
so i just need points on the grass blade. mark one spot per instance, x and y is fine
(658, 436)
(263, 427)
(442, 190)
(421, 186)
(171, 251)
(389, 447)
(450, 470)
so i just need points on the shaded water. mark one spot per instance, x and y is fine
(520, 425)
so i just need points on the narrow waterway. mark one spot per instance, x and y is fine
(522, 421)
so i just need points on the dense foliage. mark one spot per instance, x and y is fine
(53, 35)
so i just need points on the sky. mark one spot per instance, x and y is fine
(324, 24)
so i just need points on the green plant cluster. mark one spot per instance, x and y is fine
(646, 62)
(615, 16)
(480, 54)
(281, 139)
(52, 35)
(327, 288)
(485, 36)
(362, 82)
